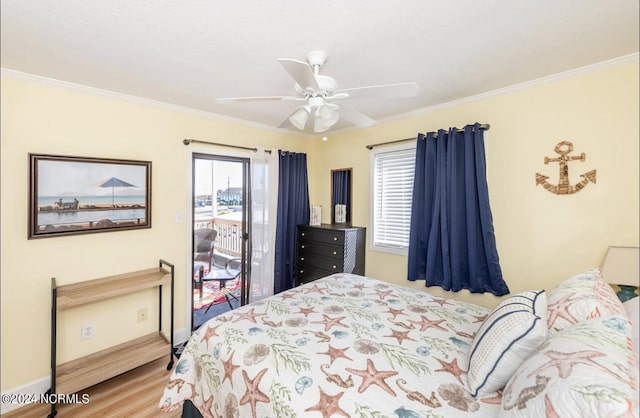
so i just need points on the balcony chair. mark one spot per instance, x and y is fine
(203, 245)
(198, 274)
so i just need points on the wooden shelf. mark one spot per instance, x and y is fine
(97, 367)
(107, 287)
(102, 365)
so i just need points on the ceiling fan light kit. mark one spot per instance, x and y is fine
(300, 116)
(320, 91)
(325, 117)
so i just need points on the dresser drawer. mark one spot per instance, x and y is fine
(333, 265)
(319, 235)
(309, 274)
(321, 249)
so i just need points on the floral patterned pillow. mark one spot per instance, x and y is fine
(581, 297)
(632, 307)
(585, 370)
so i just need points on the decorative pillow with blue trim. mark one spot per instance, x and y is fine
(512, 331)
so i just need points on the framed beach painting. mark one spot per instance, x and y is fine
(79, 195)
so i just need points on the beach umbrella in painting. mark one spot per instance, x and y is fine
(114, 182)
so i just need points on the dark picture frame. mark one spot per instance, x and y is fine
(71, 195)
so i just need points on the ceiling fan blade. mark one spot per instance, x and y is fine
(354, 116)
(337, 96)
(257, 99)
(383, 91)
(286, 122)
(300, 72)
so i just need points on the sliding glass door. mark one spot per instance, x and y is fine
(221, 199)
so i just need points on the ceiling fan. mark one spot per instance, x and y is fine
(323, 100)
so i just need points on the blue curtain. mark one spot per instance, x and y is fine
(341, 190)
(452, 242)
(293, 210)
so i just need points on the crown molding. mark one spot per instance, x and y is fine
(626, 59)
(7, 72)
(183, 109)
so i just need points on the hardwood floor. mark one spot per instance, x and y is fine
(132, 394)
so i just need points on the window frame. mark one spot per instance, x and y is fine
(373, 245)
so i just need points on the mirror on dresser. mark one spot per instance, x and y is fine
(341, 185)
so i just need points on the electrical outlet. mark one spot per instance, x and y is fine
(88, 331)
(143, 314)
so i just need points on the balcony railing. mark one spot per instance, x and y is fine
(229, 238)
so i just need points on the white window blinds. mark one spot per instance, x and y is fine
(392, 186)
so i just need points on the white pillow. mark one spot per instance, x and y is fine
(512, 331)
(632, 307)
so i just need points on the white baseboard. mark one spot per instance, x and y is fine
(36, 387)
(42, 385)
(181, 336)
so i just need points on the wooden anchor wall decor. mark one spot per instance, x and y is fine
(564, 186)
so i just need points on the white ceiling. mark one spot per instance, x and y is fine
(190, 52)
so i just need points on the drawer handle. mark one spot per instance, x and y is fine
(334, 267)
(335, 252)
(301, 271)
(303, 234)
(301, 258)
(335, 238)
(302, 246)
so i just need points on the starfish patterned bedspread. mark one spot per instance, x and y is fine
(344, 345)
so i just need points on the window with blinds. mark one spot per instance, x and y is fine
(392, 188)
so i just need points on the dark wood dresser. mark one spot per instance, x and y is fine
(328, 248)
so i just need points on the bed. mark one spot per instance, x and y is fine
(353, 346)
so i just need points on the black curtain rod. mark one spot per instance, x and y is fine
(188, 141)
(484, 127)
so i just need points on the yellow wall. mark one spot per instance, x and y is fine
(45, 119)
(542, 238)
